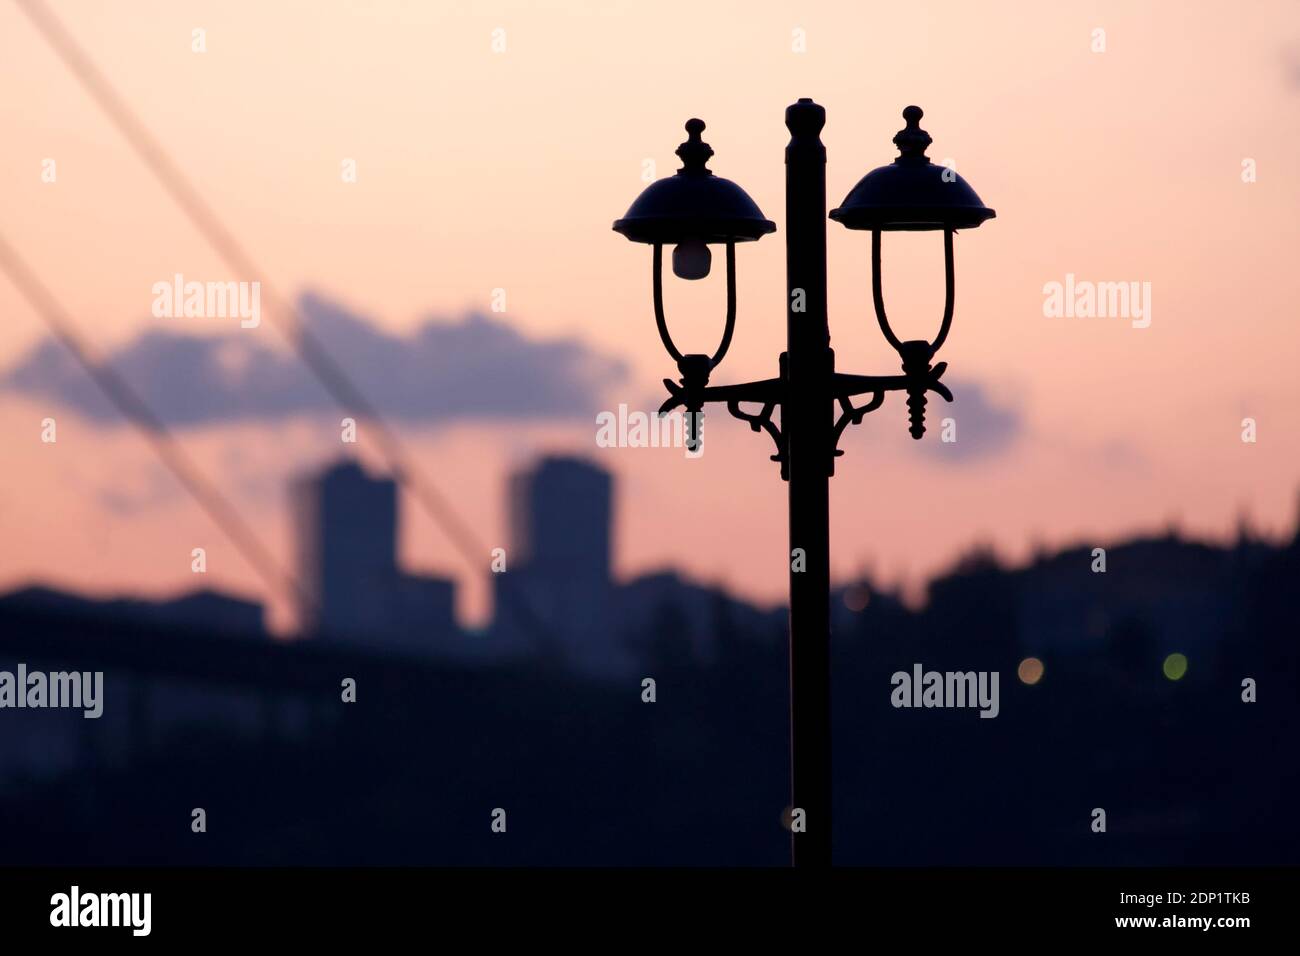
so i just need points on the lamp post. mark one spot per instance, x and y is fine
(695, 209)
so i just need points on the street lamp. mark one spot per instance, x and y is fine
(694, 209)
(691, 210)
(913, 195)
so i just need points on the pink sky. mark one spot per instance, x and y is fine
(480, 170)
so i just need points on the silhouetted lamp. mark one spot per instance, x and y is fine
(695, 209)
(691, 211)
(912, 194)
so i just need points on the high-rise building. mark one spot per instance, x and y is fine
(346, 524)
(560, 517)
(555, 596)
(347, 541)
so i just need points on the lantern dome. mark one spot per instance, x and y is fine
(912, 193)
(694, 205)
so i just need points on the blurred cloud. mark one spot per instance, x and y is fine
(442, 370)
(1291, 66)
(983, 427)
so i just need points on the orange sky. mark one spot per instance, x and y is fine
(480, 170)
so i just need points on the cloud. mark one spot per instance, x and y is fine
(1291, 66)
(984, 428)
(441, 371)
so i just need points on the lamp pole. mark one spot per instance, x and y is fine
(694, 209)
(807, 421)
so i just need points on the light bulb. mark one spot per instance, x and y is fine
(691, 260)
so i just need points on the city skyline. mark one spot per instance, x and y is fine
(556, 596)
(1091, 429)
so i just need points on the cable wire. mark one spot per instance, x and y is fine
(132, 407)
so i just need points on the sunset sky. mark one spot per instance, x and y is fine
(480, 170)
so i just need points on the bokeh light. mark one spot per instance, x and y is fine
(1030, 670)
(857, 597)
(1175, 666)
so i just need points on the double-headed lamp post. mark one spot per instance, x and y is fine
(695, 209)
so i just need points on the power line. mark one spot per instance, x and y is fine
(313, 353)
(137, 412)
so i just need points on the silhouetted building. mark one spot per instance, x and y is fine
(561, 516)
(1157, 596)
(420, 602)
(188, 711)
(346, 525)
(554, 596)
(664, 617)
(347, 547)
(209, 611)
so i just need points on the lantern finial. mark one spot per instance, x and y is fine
(694, 153)
(913, 141)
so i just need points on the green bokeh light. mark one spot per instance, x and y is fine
(1175, 666)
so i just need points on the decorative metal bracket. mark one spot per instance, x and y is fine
(764, 420)
(852, 415)
(918, 378)
(692, 392)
